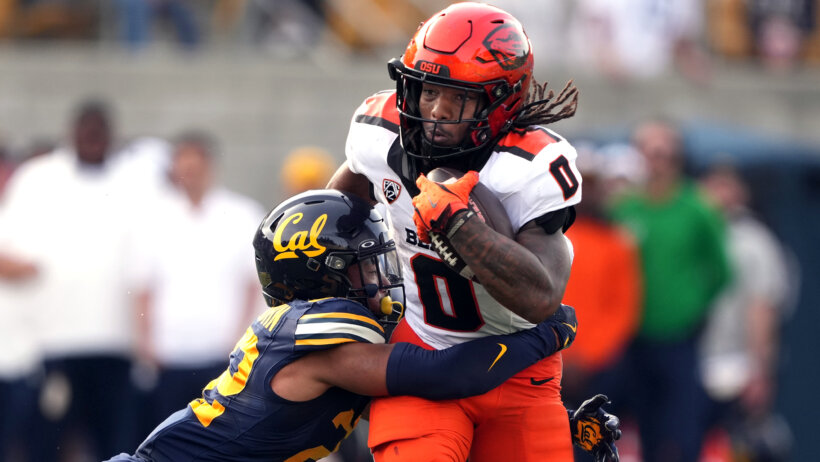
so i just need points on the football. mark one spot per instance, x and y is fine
(485, 205)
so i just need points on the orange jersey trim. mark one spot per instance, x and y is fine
(381, 106)
(527, 145)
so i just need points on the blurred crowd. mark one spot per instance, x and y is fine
(126, 275)
(681, 290)
(618, 38)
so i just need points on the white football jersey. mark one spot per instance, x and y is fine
(532, 174)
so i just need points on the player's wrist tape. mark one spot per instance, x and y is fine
(458, 221)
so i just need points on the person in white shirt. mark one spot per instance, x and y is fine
(64, 241)
(635, 40)
(195, 283)
(740, 346)
(20, 356)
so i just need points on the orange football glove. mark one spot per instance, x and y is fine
(437, 203)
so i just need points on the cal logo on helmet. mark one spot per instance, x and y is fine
(305, 240)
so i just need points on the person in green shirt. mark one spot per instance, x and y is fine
(684, 263)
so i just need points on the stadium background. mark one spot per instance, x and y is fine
(264, 100)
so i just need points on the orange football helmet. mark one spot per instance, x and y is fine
(472, 47)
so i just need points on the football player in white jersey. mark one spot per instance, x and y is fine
(465, 99)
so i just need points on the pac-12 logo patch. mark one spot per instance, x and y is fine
(391, 190)
(507, 46)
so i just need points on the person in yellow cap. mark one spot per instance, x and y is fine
(306, 167)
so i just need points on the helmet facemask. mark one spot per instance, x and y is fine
(372, 276)
(472, 47)
(486, 125)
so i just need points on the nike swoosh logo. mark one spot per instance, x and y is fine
(432, 204)
(500, 354)
(574, 329)
(540, 382)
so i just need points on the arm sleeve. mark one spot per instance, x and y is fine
(467, 369)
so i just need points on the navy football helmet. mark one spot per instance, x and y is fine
(325, 243)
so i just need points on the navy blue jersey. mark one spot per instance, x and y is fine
(240, 418)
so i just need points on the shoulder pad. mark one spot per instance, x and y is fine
(334, 321)
(528, 144)
(379, 109)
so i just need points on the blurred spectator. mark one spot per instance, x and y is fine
(604, 288)
(6, 167)
(626, 39)
(66, 222)
(20, 355)
(740, 344)
(368, 26)
(149, 158)
(304, 168)
(811, 49)
(75, 19)
(728, 28)
(622, 170)
(286, 28)
(781, 34)
(779, 29)
(684, 264)
(546, 26)
(9, 164)
(606, 280)
(195, 280)
(136, 19)
(38, 147)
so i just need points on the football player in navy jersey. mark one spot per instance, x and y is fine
(301, 376)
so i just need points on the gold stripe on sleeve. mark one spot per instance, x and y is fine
(324, 341)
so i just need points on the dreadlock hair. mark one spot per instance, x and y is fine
(537, 108)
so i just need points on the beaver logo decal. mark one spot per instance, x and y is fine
(507, 46)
